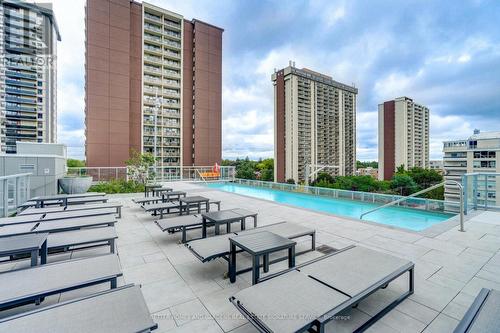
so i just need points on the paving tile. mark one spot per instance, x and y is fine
(205, 326)
(165, 293)
(149, 272)
(455, 310)
(442, 324)
(402, 322)
(191, 310)
(247, 328)
(418, 311)
(440, 245)
(432, 295)
(225, 313)
(164, 319)
(158, 256)
(476, 284)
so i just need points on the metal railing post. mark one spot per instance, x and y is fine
(485, 192)
(464, 193)
(474, 190)
(17, 192)
(5, 197)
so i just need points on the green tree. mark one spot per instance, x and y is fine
(371, 164)
(139, 166)
(266, 169)
(73, 163)
(403, 184)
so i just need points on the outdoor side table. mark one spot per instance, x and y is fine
(246, 213)
(196, 200)
(220, 217)
(169, 195)
(30, 243)
(150, 188)
(259, 244)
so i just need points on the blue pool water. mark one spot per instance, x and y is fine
(413, 219)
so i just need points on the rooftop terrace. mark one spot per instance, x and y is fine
(185, 295)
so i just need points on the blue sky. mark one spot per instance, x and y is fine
(443, 54)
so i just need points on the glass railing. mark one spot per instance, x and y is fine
(480, 190)
(15, 191)
(376, 198)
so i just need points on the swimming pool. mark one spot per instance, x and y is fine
(408, 218)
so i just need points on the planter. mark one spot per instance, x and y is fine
(75, 185)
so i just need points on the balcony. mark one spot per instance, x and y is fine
(151, 17)
(20, 75)
(21, 91)
(14, 99)
(20, 83)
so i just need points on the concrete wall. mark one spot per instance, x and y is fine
(28, 148)
(45, 170)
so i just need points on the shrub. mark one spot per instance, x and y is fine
(290, 181)
(118, 186)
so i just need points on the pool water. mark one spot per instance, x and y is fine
(408, 218)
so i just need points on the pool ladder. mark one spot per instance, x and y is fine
(449, 182)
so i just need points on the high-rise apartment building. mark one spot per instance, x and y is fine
(315, 124)
(153, 84)
(479, 153)
(28, 73)
(403, 136)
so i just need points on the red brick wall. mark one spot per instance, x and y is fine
(207, 94)
(107, 93)
(389, 139)
(279, 140)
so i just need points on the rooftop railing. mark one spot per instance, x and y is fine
(161, 173)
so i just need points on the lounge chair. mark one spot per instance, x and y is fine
(307, 297)
(483, 315)
(169, 207)
(27, 285)
(207, 249)
(82, 237)
(147, 200)
(58, 225)
(180, 223)
(101, 197)
(57, 209)
(63, 215)
(113, 311)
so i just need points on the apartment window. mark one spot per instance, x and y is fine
(484, 154)
(473, 144)
(484, 164)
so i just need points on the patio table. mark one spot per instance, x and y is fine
(30, 243)
(150, 188)
(226, 217)
(170, 194)
(193, 201)
(259, 244)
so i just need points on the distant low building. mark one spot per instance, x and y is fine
(367, 172)
(436, 165)
(479, 153)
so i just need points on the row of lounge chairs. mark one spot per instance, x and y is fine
(69, 226)
(307, 297)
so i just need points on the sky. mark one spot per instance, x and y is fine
(443, 54)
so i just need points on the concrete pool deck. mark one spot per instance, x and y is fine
(185, 295)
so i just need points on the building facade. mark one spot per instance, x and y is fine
(436, 165)
(479, 153)
(154, 84)
(403, 136)
(315, 124)
(28, 74)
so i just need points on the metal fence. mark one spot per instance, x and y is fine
(163, 174)
(376, 198)
(15, 191)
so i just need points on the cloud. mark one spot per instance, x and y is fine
(447, 57)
